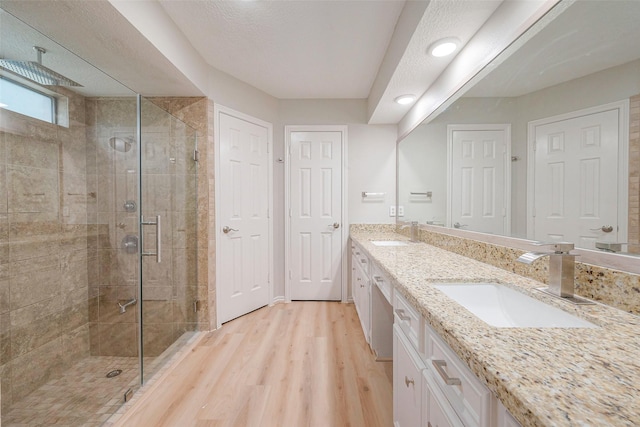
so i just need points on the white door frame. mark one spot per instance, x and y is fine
(506, 128)
(344, 225)
(623, 158)
(214, 229)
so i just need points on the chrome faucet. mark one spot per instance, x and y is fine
(414, 230)
(123, 307)
(561, 267)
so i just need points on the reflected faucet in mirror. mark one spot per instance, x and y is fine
(414, 230)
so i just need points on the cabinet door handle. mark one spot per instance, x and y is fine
(363, 261)
(378, 279)
(402, 316)
(439, 365)
(407, 381)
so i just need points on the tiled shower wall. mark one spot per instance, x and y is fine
(170, 286)
(43, 249)
(197, 112)
(112, 179)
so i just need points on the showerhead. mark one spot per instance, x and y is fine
(121, 144)
(36, 72)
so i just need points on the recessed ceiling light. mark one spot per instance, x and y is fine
(444, 47)
(405, 99)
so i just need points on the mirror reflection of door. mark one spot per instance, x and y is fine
(479, 177)
(574, 170)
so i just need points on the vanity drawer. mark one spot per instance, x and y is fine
(408, 319)
(360, 258)
(470, 399)
(381, 282)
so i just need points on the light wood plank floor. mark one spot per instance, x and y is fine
(290, 365)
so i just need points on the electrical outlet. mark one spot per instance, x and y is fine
(400, 210)
(392, 211)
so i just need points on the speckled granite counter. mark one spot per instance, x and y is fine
(543, 376)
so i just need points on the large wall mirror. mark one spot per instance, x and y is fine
(546, 146)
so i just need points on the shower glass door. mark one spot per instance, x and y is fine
(168, 205)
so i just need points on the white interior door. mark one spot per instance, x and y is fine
(243, 222)
(576, 183)
(315, 228)
(480, 169)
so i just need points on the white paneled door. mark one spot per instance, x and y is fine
(576, 179)
(315, 233)
(479, 191)
(243, 258)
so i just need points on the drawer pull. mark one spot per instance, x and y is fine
(357, 253)
(439, 364)
(364, 261)
(402, 316)
(407, 381)
(378, 279)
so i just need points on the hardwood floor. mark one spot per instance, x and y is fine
(290, 365)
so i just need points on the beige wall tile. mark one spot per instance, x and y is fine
(75, 345)
(32, 189)
(25, 379)
(4, 296)
(29, 287)
(118, 339)
(26, 151)
(5, 386)
(4, 205)
(5, 341)
(36, 333)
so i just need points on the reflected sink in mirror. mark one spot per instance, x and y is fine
(389, 243)
(503, 307)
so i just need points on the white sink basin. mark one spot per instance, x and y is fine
(389, 243)
(504, 307)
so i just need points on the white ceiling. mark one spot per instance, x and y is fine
(292, 49)
(588, 37)
(289, 49)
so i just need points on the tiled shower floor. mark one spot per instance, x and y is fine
(83, 397)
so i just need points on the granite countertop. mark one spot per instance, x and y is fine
(543, 376)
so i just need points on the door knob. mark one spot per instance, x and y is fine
(226, 229)
(336, 225)
(604, 228)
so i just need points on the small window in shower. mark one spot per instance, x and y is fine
(25, 100)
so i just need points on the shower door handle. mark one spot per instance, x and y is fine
(158, 252)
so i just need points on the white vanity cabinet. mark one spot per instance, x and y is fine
(361, 289)
(407, 382)
(381, 315)
(504, 418)
(432, 386)
(437, 411)
(467, 396)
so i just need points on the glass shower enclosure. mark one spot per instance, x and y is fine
(98, 240)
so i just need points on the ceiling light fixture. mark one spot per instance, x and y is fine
(405, 99)
(444, 47)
